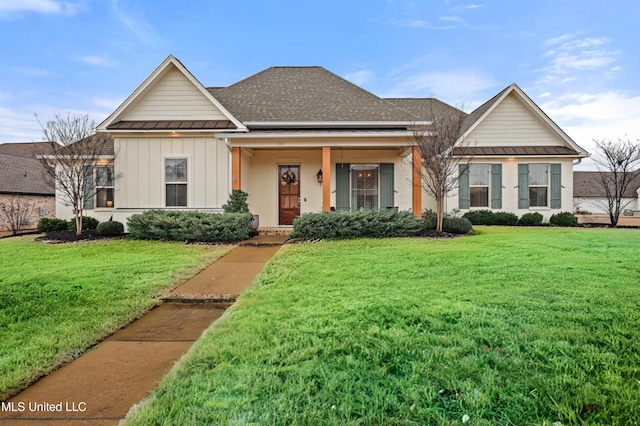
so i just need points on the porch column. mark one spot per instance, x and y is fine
(326, 178)
(416, 181)
(236, 159)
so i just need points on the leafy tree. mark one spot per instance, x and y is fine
(617, 164)
(440, 171)
(73, 151)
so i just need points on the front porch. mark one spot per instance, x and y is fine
(283, 183)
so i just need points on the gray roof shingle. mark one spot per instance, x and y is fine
(23, 175)
(587, 184)
(424, 108)
(304, 94)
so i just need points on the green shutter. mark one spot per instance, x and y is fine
(464, 195)
(496, 186)
(386, 186)
(88, 190)
(556, 186)
(523, 186)
(342, 186)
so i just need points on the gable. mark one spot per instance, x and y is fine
(173, 97)
(511, 123)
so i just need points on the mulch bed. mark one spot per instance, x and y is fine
(62, 237)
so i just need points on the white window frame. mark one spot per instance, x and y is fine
(488, 186)
(547, 186)
(165, 182)
(98, 187)
(352, 189)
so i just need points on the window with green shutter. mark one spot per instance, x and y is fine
(523, 186)
(342, 186)
(464, 196)
(496, 186)
(556, 186)
(387, 193)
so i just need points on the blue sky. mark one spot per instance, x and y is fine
(578, 60)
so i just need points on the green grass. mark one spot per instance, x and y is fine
(511, 326)
(58, 300)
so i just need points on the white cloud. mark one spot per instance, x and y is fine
(136, 23)
(12, 8)
(360, 77)
(602, 115)
(35, 72)
(97, 60)
(107, 103)
(454, 87)
(471, 6)
(570, 54)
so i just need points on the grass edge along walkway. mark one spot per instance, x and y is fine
(511, 326)
(58, 300)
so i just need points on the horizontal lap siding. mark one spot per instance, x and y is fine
(511, 124)
(174, 98)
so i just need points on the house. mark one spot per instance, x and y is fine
(590, 197)
(302, 139)
(22, 175)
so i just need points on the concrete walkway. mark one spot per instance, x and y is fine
(100, 387)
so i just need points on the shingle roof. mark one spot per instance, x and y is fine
(514, 150)
(587, 184)
(304, 94)
(424, 108)
(25, 149)
(22, 175)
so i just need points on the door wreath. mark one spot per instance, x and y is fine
(288, 177)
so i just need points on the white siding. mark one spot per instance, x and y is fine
(510, 187)
(174, 97)
(511, 124)
(139, 168)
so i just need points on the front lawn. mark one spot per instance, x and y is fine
(511, 326)
(58, 300)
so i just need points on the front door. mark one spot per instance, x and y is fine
(288, 194)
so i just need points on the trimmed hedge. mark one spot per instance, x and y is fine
(110, 227)
(564, 219)
(169, 225)
(51, 224)
(346, 225)
(456, 225)
(488, 217)
(531, 219)
(88, 223)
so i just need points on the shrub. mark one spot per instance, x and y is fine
(488, 217)
(48, 224)
(88, 223)
(430, 219)
(457, 225)
(110, 227)
(504, 218)
(480, 217)
(531, 219)
(237, 202)
(189, 226)
(345, 225)
(563, 219)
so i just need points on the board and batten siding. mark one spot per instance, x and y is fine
(512, 124)
(174, 97)
(139, 168)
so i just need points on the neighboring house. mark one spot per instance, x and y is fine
(302, 139)
(21, 175)
(590, 197)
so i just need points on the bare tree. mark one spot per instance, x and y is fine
(617, 164)
(15, 212)
(440, 171)
(73, 151)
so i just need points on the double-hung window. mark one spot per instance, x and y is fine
(364, 187)
(104, 187)
(479, 184)
(538, 185)
(175, 178)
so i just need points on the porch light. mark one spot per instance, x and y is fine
(319, 176)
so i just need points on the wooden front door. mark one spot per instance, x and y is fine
(288, 194)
